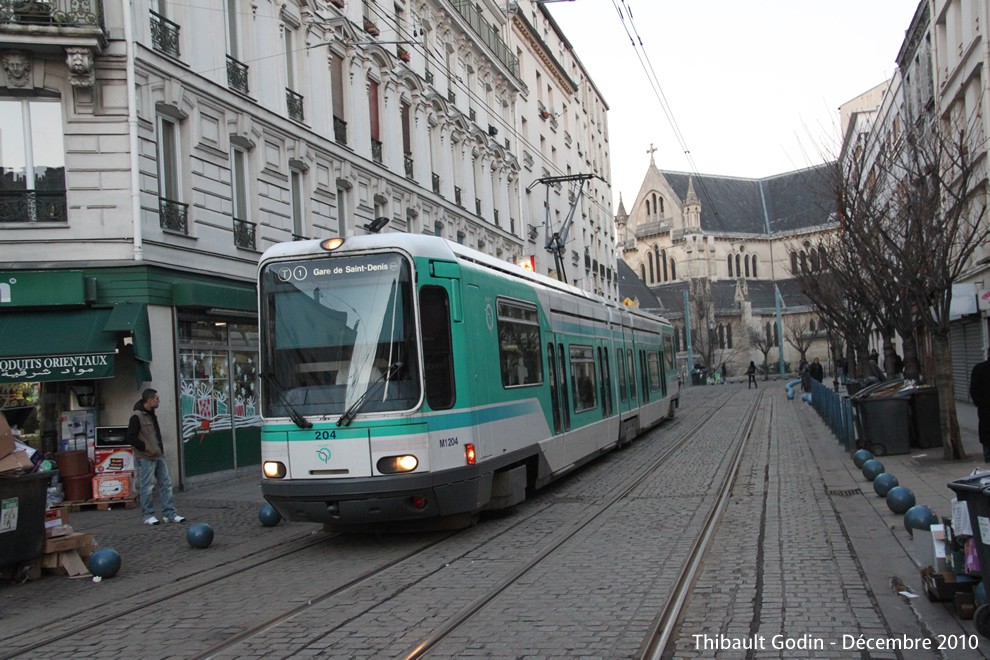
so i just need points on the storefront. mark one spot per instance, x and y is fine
(76, 351)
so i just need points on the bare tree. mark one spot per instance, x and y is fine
(762, 342)
(798, 334)
(912, 212)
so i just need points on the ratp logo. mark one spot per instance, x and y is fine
(323, 454)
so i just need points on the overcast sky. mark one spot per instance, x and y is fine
(754, 86)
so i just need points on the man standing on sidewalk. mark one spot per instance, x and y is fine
(979, 392)
(144, 434)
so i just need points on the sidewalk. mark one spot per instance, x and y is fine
(881, 544)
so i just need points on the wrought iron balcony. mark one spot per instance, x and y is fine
(173, 216)
(339, 130)
(429, 76)
(457, 195)
(237, 75)
(472, 114)
(294, 104)
(488, 35)
(164, 35)
(376, 150)
(32, 206)
(58, 13)
(244, 234)
(452, 96)
(409, 166)
(436, 183)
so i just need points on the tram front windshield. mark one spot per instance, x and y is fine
(335, 330)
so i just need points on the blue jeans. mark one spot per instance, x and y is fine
(152, 471)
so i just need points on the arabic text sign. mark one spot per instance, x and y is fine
(52, 368)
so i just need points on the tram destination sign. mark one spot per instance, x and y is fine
(55, 367)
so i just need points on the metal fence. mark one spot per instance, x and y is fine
(836, 410)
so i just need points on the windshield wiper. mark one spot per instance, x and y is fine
(346, 418)
(294, 414)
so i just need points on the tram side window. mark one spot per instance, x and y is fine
(519, 350)
(632, 374)
(620, 369)
(583, 378)
(434, 310)
(653, 362)
(668, 352)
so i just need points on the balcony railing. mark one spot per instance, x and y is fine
(237, 75)
(173, 216)
(376, 150)
(61, 13)
(429, 76)
(294, 104)
(32, 206)
(164, 35)
(244, 234)
(339, 130)
(490, 37)
(452, 97)
(436, 183)
(457, 196)
(409, 167)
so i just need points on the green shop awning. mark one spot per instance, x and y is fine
(70, 344)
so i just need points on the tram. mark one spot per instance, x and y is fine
(408, 380)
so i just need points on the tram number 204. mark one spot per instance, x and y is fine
(325, 435)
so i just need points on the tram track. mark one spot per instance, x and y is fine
(400, 564)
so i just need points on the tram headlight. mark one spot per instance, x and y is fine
(274, 469)
(332, 243)
(394, 464)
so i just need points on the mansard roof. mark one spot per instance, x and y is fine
(792, 201)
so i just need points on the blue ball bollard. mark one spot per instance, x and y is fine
(872, 469)
(919, 517)
(268, 516)
(861, 457)
(900, 499)
(104, 563)
(199, 535)
(883, 483)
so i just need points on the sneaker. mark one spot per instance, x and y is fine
(176, 519)
(151, 520)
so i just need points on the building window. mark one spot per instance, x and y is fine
(794, 263)
(663, 260)
(729, 264)
(244, 229)
(337, 92)
(728, 336)
(754, 266)
(173, 213)
(341, 212)
(376, 142)
(298, 207)
(32, 171)
(746, 264)
(650, 260)
(673, 271)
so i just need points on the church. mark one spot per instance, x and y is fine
(722, 247)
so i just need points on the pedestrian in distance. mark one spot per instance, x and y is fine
(145, 435)
(817, 371)
(751, 372)
(874, 356)
(979, 392)
(724, 377)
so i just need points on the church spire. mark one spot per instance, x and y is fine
(621, 215)
(692, 197)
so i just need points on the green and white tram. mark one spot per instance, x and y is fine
(406, 378)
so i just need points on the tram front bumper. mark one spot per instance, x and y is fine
(342, 502)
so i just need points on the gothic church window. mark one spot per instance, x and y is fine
(746, 263)
(650, 260)
(673, 272)
(738, 269)
(728, 260)
(794, 263)
(728, 336)
(663, 256)
(754, 265)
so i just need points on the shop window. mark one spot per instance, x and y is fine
(32, 172)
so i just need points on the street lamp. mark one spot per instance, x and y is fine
(776, 290)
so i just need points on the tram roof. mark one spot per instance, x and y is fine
(434, 247)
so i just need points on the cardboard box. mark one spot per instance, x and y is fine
(70, 542)
(114, 460)
(109, 486)
(938, 549)
(943, 587)
(965, 605)
(18, 461)
(6, 437)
